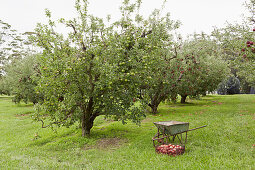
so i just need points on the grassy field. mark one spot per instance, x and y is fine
(226, 143)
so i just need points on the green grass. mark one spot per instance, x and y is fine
(226, 143)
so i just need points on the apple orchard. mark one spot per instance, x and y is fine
(121, 69)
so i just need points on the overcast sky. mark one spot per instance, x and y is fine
(195, 15)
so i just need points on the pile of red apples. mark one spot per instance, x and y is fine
(170, 149)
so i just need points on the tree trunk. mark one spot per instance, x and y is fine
(86, 128)
(183, 99)
(154, 105)
(88, 118)
(156, 99)
(154, 108)
(87, 124)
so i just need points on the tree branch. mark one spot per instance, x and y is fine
(71, 112)
(146, 33)
(76, 33)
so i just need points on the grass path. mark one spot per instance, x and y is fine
(226, 143)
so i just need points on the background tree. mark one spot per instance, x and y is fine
(11, 45)
(203, 68)
(237, 40)
(237, 50)
(161, 60)
(20, 79)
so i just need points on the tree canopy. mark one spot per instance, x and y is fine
(98, 69)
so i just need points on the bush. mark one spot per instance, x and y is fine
(229, 86)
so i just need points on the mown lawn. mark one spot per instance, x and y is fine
(226, 143)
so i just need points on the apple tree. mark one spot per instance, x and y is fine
(237, 46)
(96, 70)
(237, 41)
(13, 47)
(20, 79)
(160, 61)
(203, 67)
(246, 63)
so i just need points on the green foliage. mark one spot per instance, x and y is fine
(4, 87)
(202, 66)
(20, 79)
(160, 71)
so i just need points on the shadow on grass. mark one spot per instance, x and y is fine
(24, 105)
(73, 138)
(207, 100)
(24, 114)
(53, 136)
(5, 98)
(192, 105)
